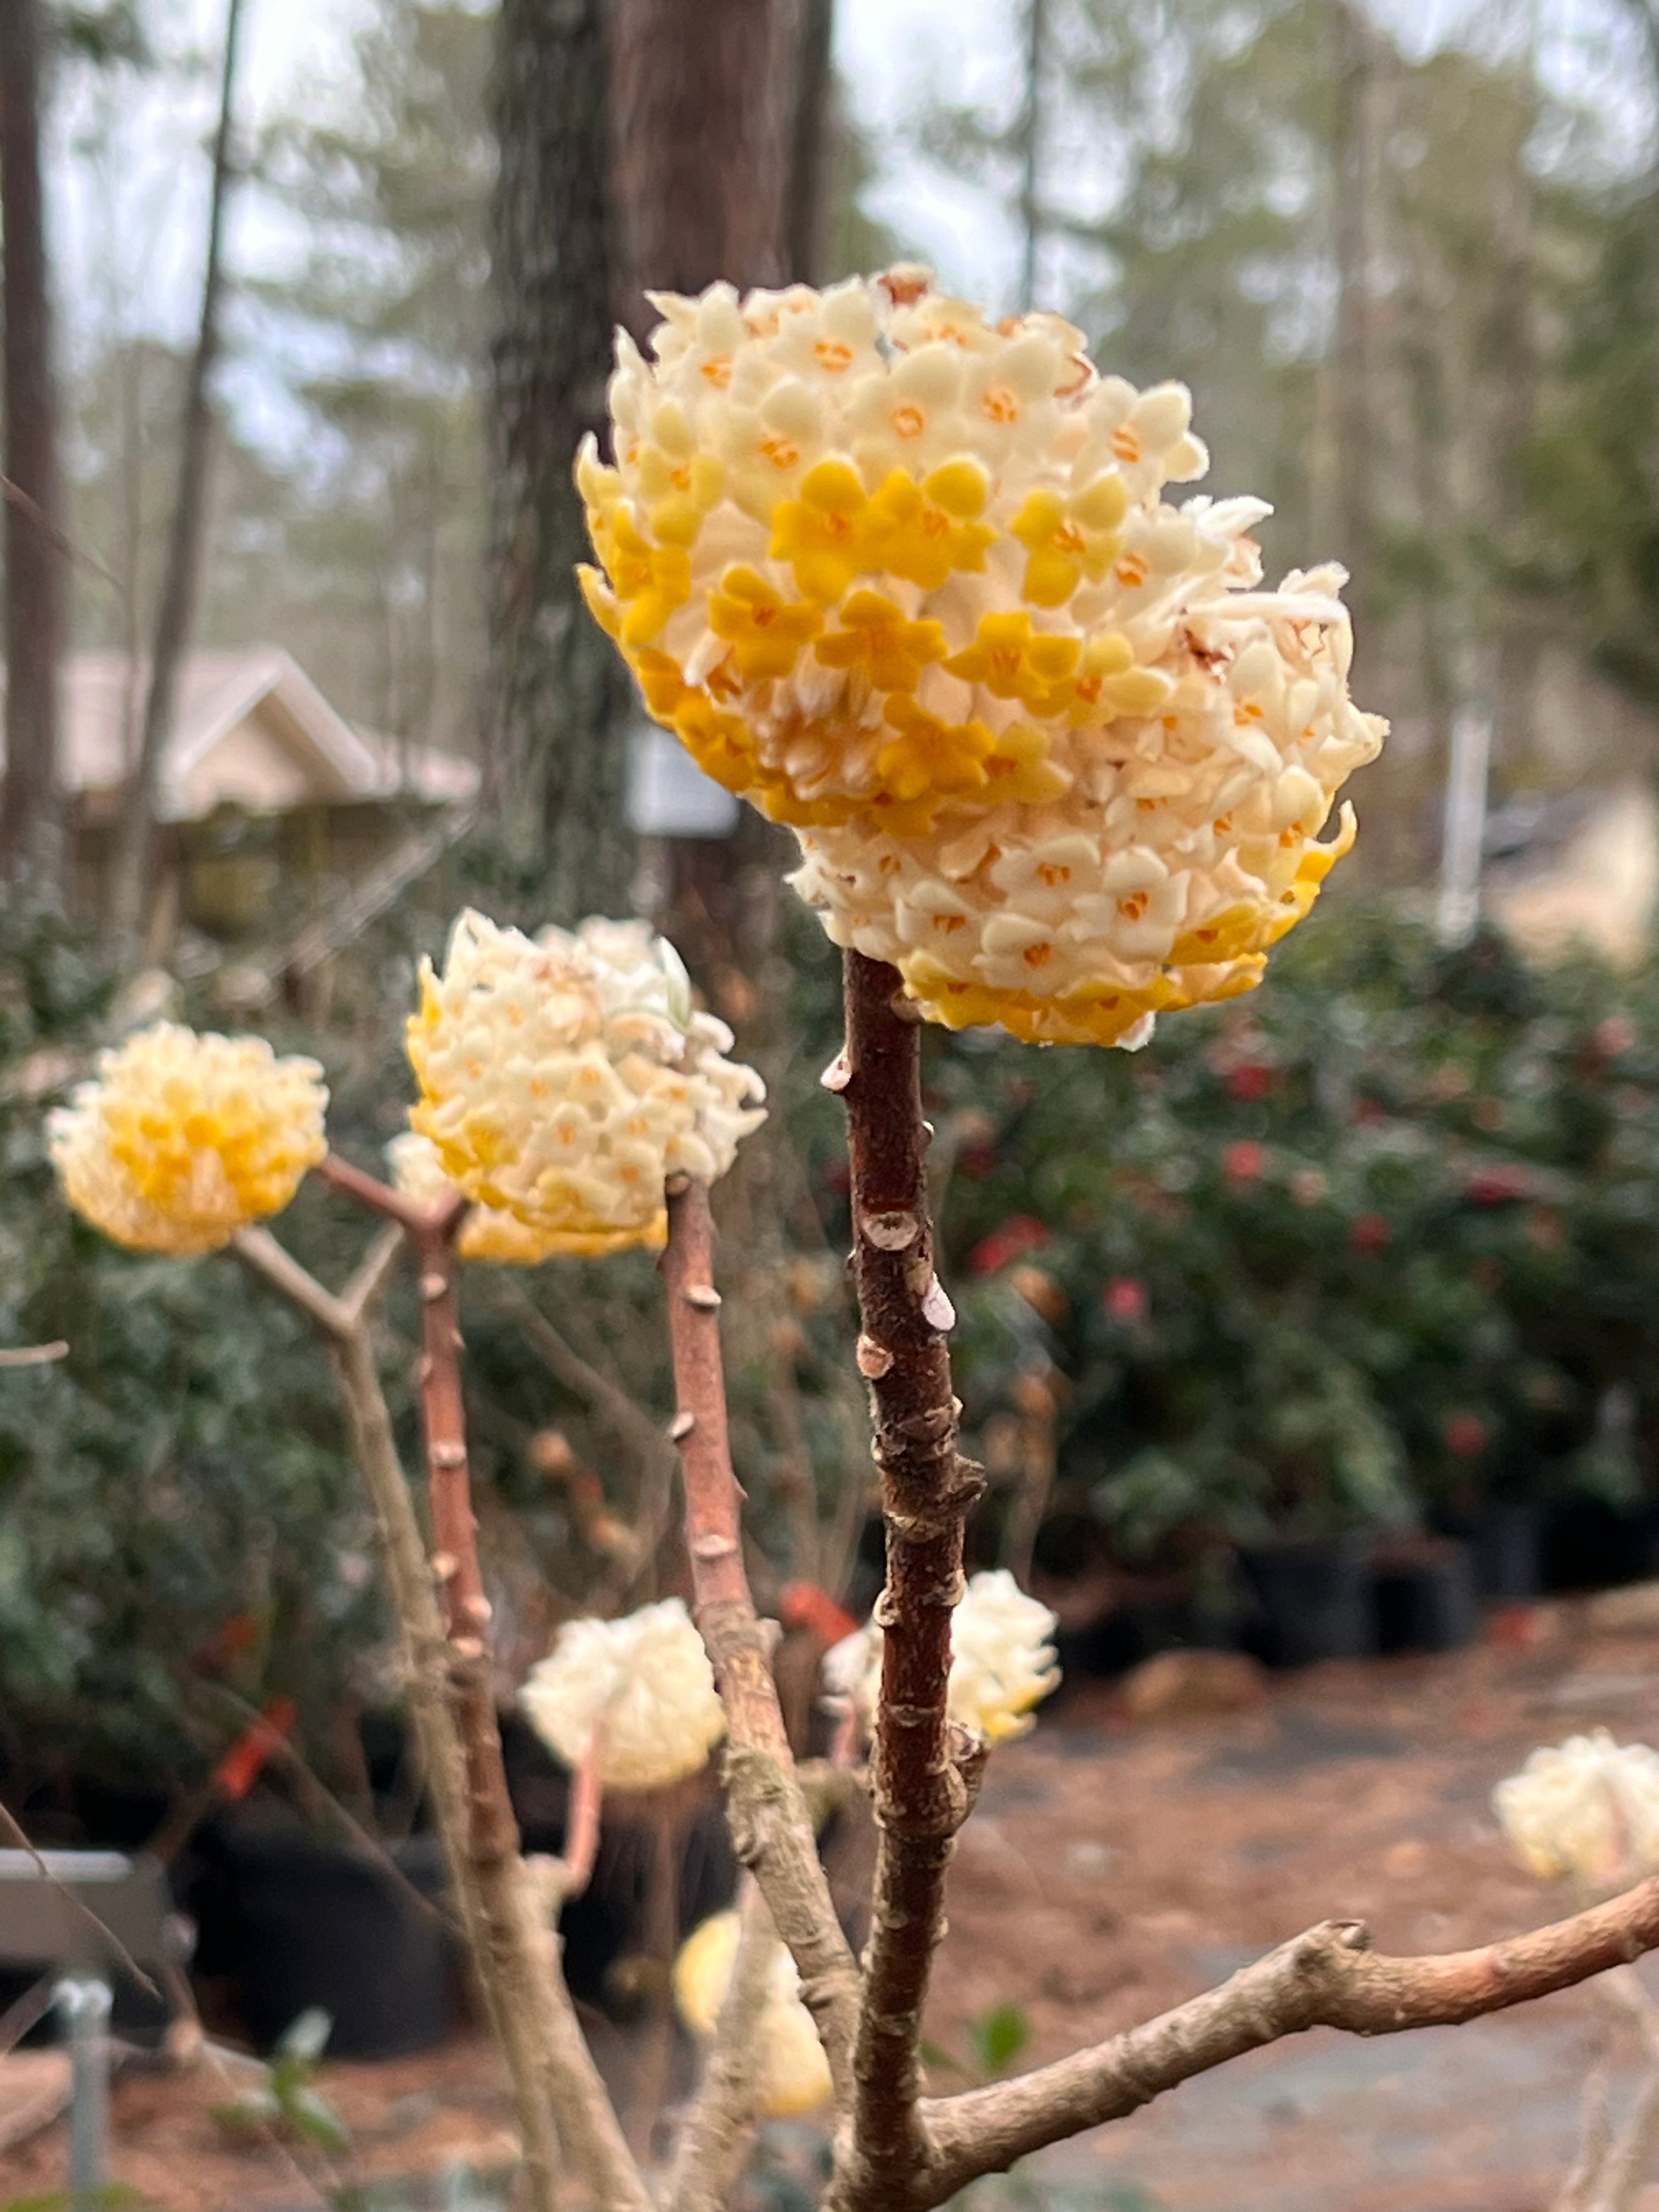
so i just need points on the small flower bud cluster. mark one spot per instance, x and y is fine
(907, 580)
(1002, 1663)
(182, 1140)
(564, 1077)
(640, 1689)
(1586, 1810)
(794, 2072)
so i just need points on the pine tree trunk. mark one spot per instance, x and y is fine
(704, 110)
(559, 698)
(175, 615)
(1353, 62)
(36, 582)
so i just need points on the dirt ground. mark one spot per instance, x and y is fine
(1111, 1870)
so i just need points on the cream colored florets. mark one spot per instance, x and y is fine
(182, 1140)
(1587, 1810)
(640, 1687)
(563, 1078)
(486, 1233)
(1002, 1663)
(907, 580)
(794, 2072)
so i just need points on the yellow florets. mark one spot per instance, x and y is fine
(486, 1233)
(183, 1140)
(906, 581)
(1002, 1663)
(794, 2073)
(563, 1078)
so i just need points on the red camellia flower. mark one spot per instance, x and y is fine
(1124, 1297)
(1019, 1234)
(1251, 1079)
(1497, 1185)
(1371, 1233)
(1465, 1436)
(1244, 1159)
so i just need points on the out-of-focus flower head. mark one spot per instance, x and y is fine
(1002, 1663)
(563, 1077)
(487, 1232)
(906, 580)
(181, 1141)
(1587, 1810)
(795, 2074)
(641, 1687)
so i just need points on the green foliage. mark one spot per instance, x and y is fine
(1367, 1247)
(287, 2103)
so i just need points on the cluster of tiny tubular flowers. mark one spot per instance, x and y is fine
(182, 1140)
(565, 1078)
(637, 1695)
(1002, 1663)
(486, 1232)
(794, 2072)
(907, 580)
(1586, 1810)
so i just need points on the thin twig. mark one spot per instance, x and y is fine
(771, 1824)
(34, 1355)
(512, 1948)
(15, 1835)
(924, 1772)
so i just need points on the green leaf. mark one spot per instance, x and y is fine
(999, 2036)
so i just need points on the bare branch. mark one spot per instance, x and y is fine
(512, 1944)
(771, 1824)
(382, 1198)
(717, 2133)
(924, 1772)
(33, 1355)
(1326, 1977)
(363, 1291)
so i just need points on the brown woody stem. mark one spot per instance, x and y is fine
(771, 1826)
(924, 1772)
(1326, 1978)
(513, 1949)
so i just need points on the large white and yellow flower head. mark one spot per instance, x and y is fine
(565, 1076)
(908, 580)
(1587, 1810)
(182, 1140)
(1002, 1663)
(794, 2073)
(640, 1689)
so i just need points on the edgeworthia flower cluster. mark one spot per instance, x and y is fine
(487, 1233)
(1586, 1810)
(906, 579)
(182, 1140)
(640, 1689)
(564, 1077)
(1002, 1663)
(794, 2072)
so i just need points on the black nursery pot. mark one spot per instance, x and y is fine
(1315, 1599)
(317, 1925)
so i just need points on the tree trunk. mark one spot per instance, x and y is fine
(1353, 63)
(36, 583)
(180, 585)
(704, 107)
(559, 698)
(810, 163)
(702, 112)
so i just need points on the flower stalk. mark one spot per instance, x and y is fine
(771, 1824)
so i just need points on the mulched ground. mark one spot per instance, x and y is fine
(1111, 1871)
